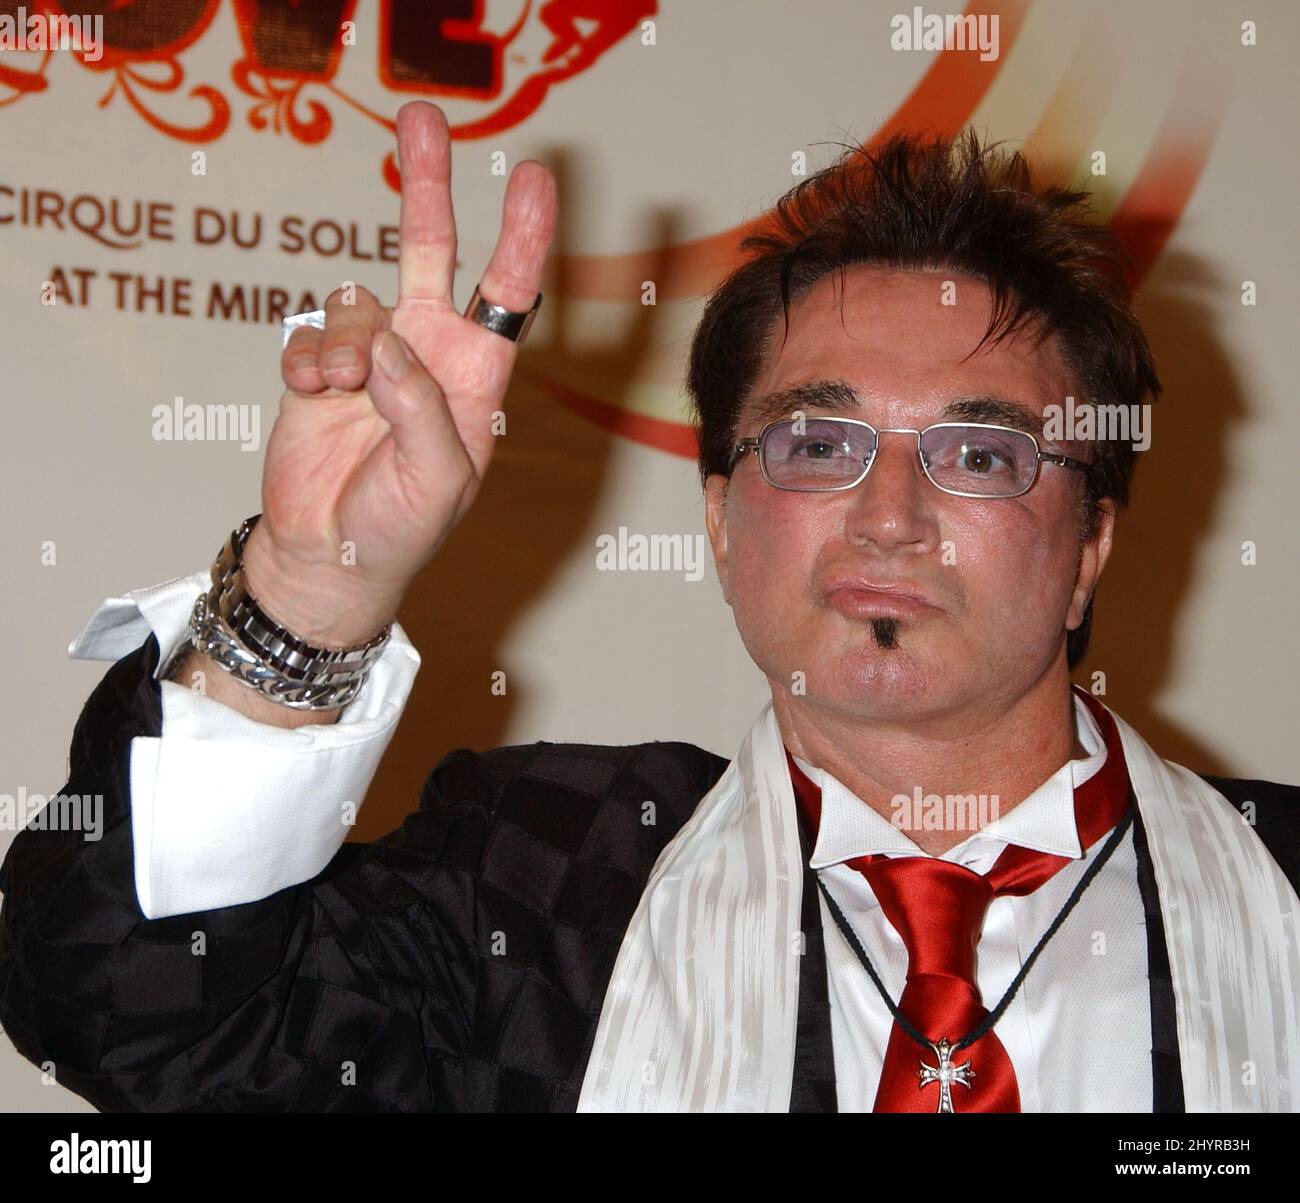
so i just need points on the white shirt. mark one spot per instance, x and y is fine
(1078, 1032)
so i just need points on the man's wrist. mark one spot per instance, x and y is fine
(318, 604)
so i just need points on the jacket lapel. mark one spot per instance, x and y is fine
(814, 1058)
(1166, 1066)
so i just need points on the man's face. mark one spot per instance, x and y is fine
(1000, 580)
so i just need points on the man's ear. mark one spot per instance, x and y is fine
(1092, 559)
(715, 520)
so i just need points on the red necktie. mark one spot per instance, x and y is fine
(938, 909)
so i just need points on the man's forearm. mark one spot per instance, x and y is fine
(196, 670)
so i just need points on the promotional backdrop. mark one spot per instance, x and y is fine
(169, 193)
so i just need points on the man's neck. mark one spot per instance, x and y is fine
(1008, 752)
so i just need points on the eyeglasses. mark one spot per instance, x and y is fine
(823, 455)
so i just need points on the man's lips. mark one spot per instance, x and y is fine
(862, 598)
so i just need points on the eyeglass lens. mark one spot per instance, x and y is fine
(825, 453)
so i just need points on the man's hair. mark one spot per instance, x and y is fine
(932, 202)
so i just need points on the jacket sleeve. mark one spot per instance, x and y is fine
(353, 990)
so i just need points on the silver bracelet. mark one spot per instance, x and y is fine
(228, 625)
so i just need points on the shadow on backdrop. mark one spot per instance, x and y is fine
(1160, 537)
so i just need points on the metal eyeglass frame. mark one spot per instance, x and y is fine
(1043, 457)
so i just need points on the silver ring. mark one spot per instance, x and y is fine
(506, 322)
(500, 320)
(315, 317)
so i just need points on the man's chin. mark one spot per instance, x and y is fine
(880, 677)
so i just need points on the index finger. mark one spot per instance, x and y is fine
(426, 236)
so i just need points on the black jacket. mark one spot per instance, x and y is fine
(458, 964)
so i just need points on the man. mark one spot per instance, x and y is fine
(911, 560)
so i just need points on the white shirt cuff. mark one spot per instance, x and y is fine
(226, 810)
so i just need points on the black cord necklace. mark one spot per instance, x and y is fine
(946, 1073)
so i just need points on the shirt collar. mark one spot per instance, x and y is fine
(1044, 821)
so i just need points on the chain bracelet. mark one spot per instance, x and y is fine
(228, 625)
(210, 638)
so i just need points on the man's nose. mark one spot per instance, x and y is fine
(894, 505)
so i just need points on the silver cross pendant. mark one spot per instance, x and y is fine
(945, 1073)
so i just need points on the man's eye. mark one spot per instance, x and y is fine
(981, 461)
(816, 449)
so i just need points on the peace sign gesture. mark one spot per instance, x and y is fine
(386, 429)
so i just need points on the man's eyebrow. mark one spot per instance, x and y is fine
(839, 396)
(997, 410)
(835, 395)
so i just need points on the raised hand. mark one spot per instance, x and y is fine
(385, 431)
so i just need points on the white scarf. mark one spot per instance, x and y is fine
(701, 1010)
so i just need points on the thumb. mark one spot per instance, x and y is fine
(410, 401)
